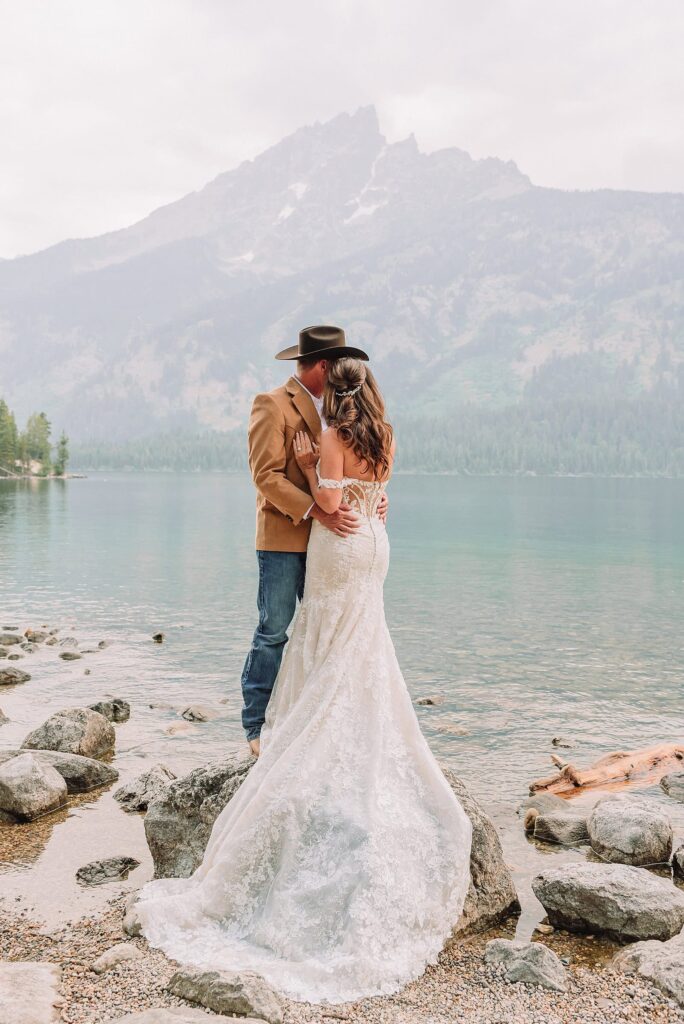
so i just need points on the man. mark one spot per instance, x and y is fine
(285, 509)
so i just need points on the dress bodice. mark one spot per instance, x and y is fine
(361, 495)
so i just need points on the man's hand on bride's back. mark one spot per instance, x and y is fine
(342, 522)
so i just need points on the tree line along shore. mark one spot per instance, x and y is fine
(30, 452)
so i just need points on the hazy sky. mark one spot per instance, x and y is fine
(110, 108)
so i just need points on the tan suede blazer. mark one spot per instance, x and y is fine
(283, 495)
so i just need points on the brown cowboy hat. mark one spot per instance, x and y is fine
(321, 340)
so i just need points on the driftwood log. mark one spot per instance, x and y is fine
(612, 771)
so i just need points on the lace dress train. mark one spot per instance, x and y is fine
(341, 864)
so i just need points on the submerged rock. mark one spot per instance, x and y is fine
(3, 717)
(75, 731)
(36, 636)
(8, 639)
(627, 829)
(10, 676)
(29, 789)
(673, 785)
(661, 963)
(240, 993)
(530, 962)
(433, 701)
(14, 657)
(178, 825)
(81, 774)
(100, 871)
(626, 903)
(138, 794)
(69, 642)
(545, 803)
(70, 655)
(199, 713)
(114, 709)
(29, 647)
(678, 862)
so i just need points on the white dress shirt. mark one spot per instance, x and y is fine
(318, 402)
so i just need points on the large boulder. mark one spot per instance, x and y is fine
(626, 829)
(244, 993)
(81, 774)
(530, 962)
(673, 785)
(661, 963)
(10, 676)
(626, 903)
(75, 731)
(29, 992)
(491, 896)
(138, 794)
(29, 789)
(178, 825)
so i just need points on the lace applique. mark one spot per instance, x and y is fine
(362, 495)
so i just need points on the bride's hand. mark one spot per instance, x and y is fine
(305, 450)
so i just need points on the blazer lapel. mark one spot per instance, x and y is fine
(305, 407)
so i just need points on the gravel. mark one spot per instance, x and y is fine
(461, 987)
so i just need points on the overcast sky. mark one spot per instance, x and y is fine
(110, 108)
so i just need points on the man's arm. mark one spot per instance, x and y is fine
(267, 460)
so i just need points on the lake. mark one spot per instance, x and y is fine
(536, 607)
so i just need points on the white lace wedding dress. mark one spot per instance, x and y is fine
(342, 863)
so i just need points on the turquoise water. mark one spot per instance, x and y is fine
(534, 606)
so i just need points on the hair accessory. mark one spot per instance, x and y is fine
(352, 391)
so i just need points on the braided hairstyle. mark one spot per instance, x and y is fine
(359, 418)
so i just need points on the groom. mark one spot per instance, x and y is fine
(285, 508)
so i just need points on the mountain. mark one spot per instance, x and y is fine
(467, 284)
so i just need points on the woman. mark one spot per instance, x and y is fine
(342, 863)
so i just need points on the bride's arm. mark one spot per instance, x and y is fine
(327, 497)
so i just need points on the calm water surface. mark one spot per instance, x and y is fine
(536, 607)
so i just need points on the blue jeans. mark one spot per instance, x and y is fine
(281, 582)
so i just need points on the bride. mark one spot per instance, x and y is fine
(341, 865)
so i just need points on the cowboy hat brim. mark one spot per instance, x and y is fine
(325, 353)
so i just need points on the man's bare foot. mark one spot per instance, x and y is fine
(254, 746)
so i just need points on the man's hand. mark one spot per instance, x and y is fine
(383, 504)
(342, 522)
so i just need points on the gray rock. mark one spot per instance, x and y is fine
(7, 639)
(178, 825)
(176, 1015)
(30, 647)
(678, 862)
(28, 992)
(199, 713)
(69, 643)
(563, 741)
(132, 924)
(430, 702)
(10, 676)
(81, 774)
(14, 657)
(138, 794)
(626, 829)
(117, 954)
(29, 789)
(102, 644)
(673, 785)
(229, 992)
(566, 829)
(661, 963)
(114, 709)
(626, 903)
(3, 652)
(36, 636)
(545, 803)
(75, 731)
(51, 641)
(491, 896)
(70, 655)
(531, 962)
(100, 871)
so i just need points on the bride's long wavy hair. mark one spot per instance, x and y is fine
(359, 418)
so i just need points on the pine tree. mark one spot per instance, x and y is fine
(8, 437)
(37, 437)
(62, 459)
